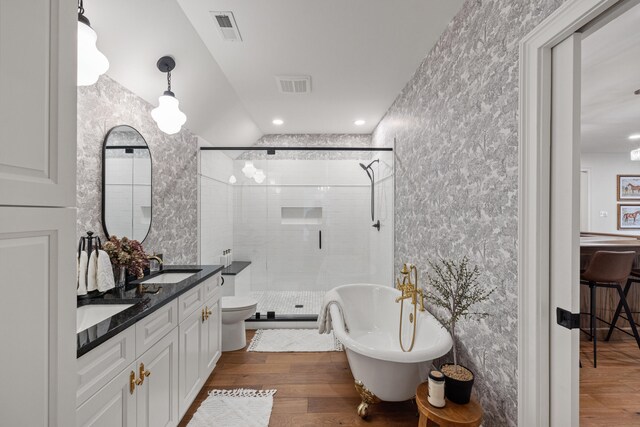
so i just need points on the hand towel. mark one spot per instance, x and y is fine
(82, 260)
(324, 318)
(104, 274)
(92, 279)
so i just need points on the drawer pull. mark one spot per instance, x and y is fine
(143, 373)
(133, 382)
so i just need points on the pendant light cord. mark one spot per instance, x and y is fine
(169, 80)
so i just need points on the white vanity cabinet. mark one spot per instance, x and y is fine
(157, 404)
(145, 394)
(114, 405)
(172, 363)
(199, 342)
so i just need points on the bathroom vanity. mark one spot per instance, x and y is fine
(145, 363)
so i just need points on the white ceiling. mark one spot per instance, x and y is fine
(134, 34)
(610, 75)
(359, 54)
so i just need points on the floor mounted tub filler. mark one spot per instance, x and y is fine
(368, 325)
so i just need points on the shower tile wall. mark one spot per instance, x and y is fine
(287, 256)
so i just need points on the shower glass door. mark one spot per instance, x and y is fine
(305, 224)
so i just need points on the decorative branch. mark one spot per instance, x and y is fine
(456, 288)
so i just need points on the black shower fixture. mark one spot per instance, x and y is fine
(372, 178)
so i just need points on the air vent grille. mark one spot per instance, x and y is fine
(227, 26)
(294, 84)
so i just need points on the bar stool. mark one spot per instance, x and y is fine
(633, 278)
(607, 269)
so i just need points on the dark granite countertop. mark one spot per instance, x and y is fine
(235, 268)
(143, 306)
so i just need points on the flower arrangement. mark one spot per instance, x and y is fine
(128, 254)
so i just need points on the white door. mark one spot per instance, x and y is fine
(37, 316)
(114, 405)
(158, 393)
(38, 102)
(565, 230)
(211, 338)
(584, 201)
(190, 359)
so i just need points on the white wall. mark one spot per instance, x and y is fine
(216, 206)
(603, 168)
(287, 256)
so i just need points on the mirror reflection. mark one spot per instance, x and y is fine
(127, 185)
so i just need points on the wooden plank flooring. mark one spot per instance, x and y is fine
(610, 393)
(314, 389)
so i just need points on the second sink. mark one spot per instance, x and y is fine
(169, 277)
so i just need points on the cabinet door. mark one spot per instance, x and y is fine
(113, 406)
(158, 394)
(191, 359)
(211, 338)
(37, 316)
(38, 103)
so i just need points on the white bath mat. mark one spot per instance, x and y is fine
(293, 340)
(233, 408)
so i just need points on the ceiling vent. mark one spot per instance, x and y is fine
(227, 25)
(294, 84)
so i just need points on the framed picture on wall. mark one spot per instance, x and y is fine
(628, 217)
(628, 187)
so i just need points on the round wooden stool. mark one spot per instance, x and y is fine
(452, 415)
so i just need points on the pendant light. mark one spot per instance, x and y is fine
(167, 114)
(91, 62)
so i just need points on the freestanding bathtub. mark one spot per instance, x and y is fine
(379, 366)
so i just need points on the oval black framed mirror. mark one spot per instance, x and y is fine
(127, 186)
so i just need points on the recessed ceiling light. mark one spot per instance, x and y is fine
(277, 122)
(634, 136)
(359, 122)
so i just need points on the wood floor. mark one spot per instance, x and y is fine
(610, 393)
(314, 389)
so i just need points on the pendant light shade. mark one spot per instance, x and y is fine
(91, 62)
(167, 114)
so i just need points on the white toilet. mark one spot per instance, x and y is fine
(235, 310)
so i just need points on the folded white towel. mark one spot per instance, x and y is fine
(82, 262)
(104, 273)
(325, 323)
(92, 282)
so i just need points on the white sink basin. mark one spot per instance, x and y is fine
(89, 315)
(167, 278)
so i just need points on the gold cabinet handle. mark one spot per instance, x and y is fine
(209, 312)
(132, 382)
(143, 373)
(204, 315)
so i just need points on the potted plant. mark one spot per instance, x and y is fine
(455, 289)
(126, 255)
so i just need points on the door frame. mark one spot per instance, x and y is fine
(534, 203)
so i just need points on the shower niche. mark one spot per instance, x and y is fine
(301, 216)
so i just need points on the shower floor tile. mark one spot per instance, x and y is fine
(289, 302)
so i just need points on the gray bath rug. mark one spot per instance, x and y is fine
(293, 340)
(233, 408)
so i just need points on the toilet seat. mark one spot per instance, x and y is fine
(237, 303)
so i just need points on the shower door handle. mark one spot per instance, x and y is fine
(319, 239)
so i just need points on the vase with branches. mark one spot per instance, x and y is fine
(126, 255)
(456, 289)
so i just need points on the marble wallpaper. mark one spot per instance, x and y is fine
(174, 163)
(455, 124)
(311, 140)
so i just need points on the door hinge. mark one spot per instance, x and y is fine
(567, 319)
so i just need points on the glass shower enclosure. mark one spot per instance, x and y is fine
(308, 219)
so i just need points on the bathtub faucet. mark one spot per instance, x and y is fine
(410, 289)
